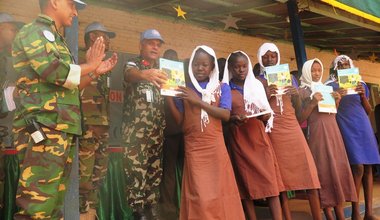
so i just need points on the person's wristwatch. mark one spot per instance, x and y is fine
(92, 75)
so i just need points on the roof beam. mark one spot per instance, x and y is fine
(344, 36)
(150, 5)
(337, 14)
(229, 7)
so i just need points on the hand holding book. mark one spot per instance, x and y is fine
(155, 76)
(238, 119)
(324, 97)
(279, 75)
(317, 97)
(175, 75)
(360, 89)
(349, 79)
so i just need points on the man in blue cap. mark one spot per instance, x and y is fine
(143, 126)
(48, 119)
(93, 154)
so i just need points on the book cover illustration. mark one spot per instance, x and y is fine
(255, 111)
(174, 70)
(326, 105)
(349, 79)
(279, 75)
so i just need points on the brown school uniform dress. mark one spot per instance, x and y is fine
(256, 169)
(297, 167)
(209, 189)
(327, 146)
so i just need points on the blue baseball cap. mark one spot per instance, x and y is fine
(96, 26)
(151, 34)
(7, 18)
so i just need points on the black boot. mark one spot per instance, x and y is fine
(155, 212)
(140, 214)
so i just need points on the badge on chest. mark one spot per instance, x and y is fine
(149, 95)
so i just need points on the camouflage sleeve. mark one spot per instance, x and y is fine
(49, 59)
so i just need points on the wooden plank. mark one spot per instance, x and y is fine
(150, 5)
(229, 7)
(337, 14)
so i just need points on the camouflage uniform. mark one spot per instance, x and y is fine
(93, 156)
(49, 93)
(7, 77)
(143, 127)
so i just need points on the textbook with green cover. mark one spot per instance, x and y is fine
(175, 72)
(279, 75)
(349, 79)
(328, 103)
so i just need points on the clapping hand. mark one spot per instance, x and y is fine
(95, 54)
(106, 65)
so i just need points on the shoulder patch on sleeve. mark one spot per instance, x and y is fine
(48, 35)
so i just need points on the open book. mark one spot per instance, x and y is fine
(280, 76)
(258, 114)
(328, 103)
(174, 70)
(349, 79)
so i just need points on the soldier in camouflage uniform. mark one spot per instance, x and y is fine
(8, 30)
(93, 155)
(49, 118)
(143, 127)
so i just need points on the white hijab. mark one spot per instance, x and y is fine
(213, 86)
(339, 58)
(254, 92)
(262, 50)
(306, 78)
(334, 67)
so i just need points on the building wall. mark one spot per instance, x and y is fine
(179, 35)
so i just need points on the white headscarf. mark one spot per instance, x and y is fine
(334, 67)
(208, 94)
(340, 58)
(262, 50)
(306, 78)
(254, 92)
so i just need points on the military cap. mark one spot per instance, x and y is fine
(7, 18)
(151, 34)
(96, 26)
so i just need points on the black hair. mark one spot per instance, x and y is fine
(234, 56)
(170, 54)
(43, 4)
(87, 40)
(200, 50)
(256, 69)
(221, 65)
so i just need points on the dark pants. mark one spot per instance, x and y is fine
(173, 155)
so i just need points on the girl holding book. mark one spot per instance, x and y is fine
(358, 136)
(297, 167)
(252, 154)
(326, 144)
(209, 189)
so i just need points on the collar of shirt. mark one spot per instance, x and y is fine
(236, 87)
(201, 84)
(144, 64)
(48, 21)
(45, 19)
